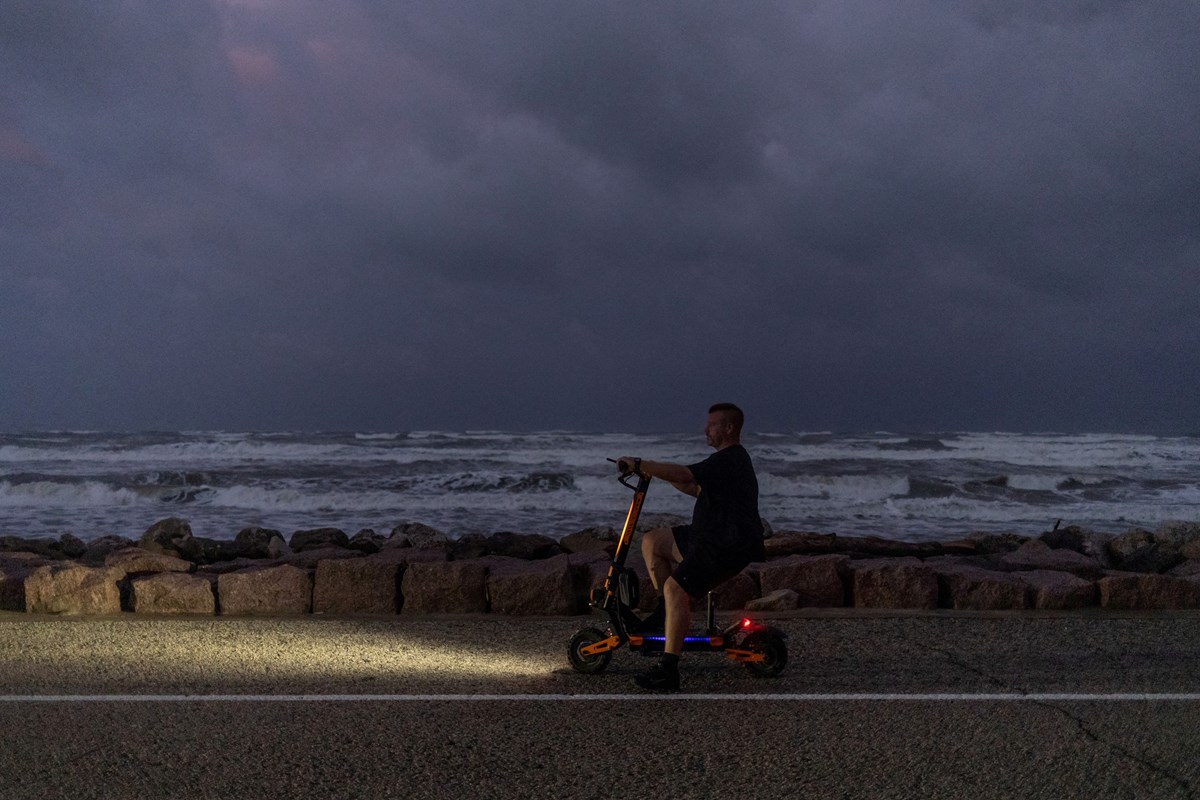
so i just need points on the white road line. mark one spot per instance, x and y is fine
(845, 697)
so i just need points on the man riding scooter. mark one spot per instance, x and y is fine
(726, 534)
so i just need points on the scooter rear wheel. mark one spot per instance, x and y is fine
(775, 655)
(587, 664)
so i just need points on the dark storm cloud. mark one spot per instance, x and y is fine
(675, 97)
(256, 213)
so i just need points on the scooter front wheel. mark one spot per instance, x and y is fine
(775, 655)
(587, 664)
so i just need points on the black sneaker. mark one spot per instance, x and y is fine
(658, 679)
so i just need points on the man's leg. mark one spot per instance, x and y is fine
(664, 676)
(679, 616)
(661, 555)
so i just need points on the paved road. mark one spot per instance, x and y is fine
(565, 743)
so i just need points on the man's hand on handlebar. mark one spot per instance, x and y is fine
(628, 464)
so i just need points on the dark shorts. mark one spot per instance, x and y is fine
(702, 569)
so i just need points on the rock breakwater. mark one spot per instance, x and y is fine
(418, 570)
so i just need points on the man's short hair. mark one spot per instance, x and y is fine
(733, 415)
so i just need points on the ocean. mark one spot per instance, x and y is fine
(922, 487)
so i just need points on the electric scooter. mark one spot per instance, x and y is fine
(761, 648)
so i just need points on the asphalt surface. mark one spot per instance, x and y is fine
(543, 732)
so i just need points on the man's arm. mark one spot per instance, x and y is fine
(677, 475)
(691, 488)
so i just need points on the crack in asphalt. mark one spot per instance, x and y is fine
(1091, 735)
(963, 665)
(1080, 725)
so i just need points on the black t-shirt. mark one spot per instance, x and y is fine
(725, 518)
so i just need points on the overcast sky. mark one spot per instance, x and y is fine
(276, 214)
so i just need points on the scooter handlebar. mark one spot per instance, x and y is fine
(626, 474)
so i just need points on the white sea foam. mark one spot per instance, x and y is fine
(48, 494)
(1082, 450)
(848, 488)
(1035, 483)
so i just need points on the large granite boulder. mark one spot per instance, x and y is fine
(1139, 550)
(959, 547)
(284, 589)
(173, 537)
(994, 544)
(1050, 590)
(778, 600)
(260, 543)
(65, 546)
(42, 546)
(468, 547)
(529, 546)
(446, 587)
(367, 541)
(1072, 537)
(1081, 540)
(947, 562)
(14, 570)
(311, 558)
(318, 538)
(792, 543)
(735, 593)
(308, 559)
(975, 589)
(99, 549)
(1144, 592)
(135, 560)
(71, 546)
(594, 565)
(172, 593)
(816, 580)
(68, 588)
(416, 534)
(213, 551)
(1186, 569)
(237, 565)
(591, 540)
(877, 547)
(1037, 555)
(1180, 535)
(356, 586)
(519, 587)
(403, 556)
(894, 583)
